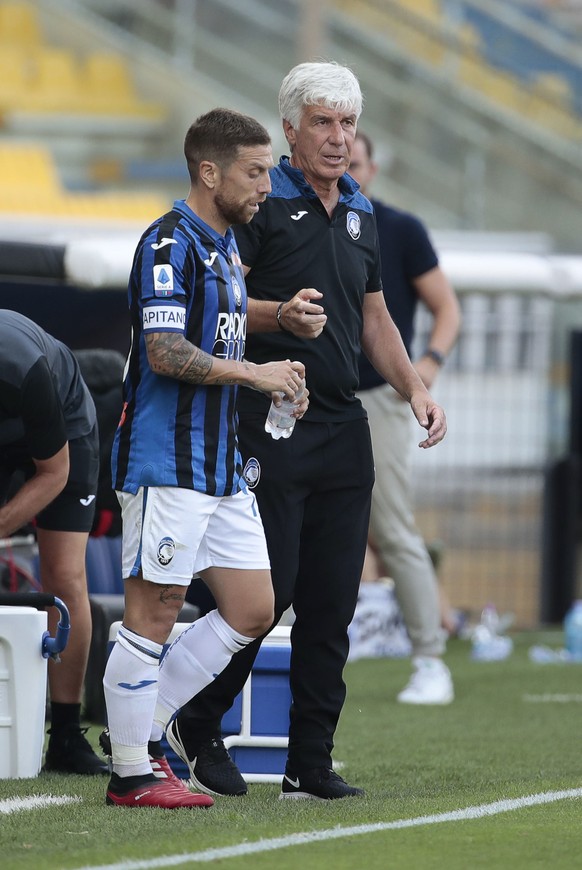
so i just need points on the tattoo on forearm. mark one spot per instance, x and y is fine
(172, 355)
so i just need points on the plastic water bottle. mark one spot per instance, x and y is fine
(573, 632)
(488, 645)
(280, 421)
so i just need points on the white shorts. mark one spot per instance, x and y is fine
(170, 534)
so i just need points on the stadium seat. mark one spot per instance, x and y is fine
(15, 72)
(429, 9)
(403, 25)
(107, 87)
(29, 185)
(55, 82)
(27, 168)
(19, 25)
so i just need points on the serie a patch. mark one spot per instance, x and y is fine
(163, 280)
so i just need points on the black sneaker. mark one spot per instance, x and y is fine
(320, 784)
(212, 770)
(69, 751)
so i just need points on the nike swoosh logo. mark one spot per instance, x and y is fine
(298, 216)
(141, 685)
(157, 245)
(293, 782)
(211, 258)
(87, 501)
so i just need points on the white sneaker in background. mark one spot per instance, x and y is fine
(431, 683)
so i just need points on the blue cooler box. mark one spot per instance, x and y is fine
(255, 729)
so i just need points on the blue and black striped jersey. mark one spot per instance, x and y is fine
(185, 278)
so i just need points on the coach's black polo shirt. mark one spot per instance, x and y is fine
(292, 243)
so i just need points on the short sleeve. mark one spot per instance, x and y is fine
(165, 282)
(374, 282)
(419, 256)
(42, 412)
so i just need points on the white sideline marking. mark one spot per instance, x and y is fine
(36, 802)
(553, 699)
(493, 809)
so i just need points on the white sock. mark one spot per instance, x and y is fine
(196, 657)
(131, 689)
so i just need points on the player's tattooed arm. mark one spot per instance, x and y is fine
(172, 355)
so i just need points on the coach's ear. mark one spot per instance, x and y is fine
(290, 134)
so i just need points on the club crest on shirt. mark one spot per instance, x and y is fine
(252, 472)
(166, 550)
(353, 224)
(163, 280)
(237, 292)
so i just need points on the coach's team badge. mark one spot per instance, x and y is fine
(353, 225)
(237, 292)
(163, 280)
(252, 472)
(166, 550)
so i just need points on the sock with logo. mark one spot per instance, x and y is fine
(196, 657)
(131, 689)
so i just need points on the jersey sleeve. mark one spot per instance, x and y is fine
(419, 256)
(165, 283)
(374, 282)
(41, 412)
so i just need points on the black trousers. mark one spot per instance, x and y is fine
(314, 497)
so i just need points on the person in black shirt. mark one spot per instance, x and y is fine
(49, 465)
(410, 272)
(314, 293)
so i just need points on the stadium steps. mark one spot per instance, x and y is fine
(422, 30)
(45, 79)
(30, 185)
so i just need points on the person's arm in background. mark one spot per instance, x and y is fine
(37, 404)
(436, 292)
(43, 487)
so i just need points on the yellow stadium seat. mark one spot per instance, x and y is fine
(107, 75)
(556, 88)
(19, 25)
(55, 82)
(107, 87)
(429, 9)
(15, 71)
(27, 167)
(552, 112)
(29, 185)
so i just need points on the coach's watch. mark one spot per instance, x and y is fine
(435, 355)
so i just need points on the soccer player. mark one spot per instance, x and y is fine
(176, 464)
(315, 290)
(49, 466)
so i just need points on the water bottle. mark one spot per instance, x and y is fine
(488, 645)
(573, 632)
(280, 422)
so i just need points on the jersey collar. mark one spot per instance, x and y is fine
(347, 186)
(226, 241)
